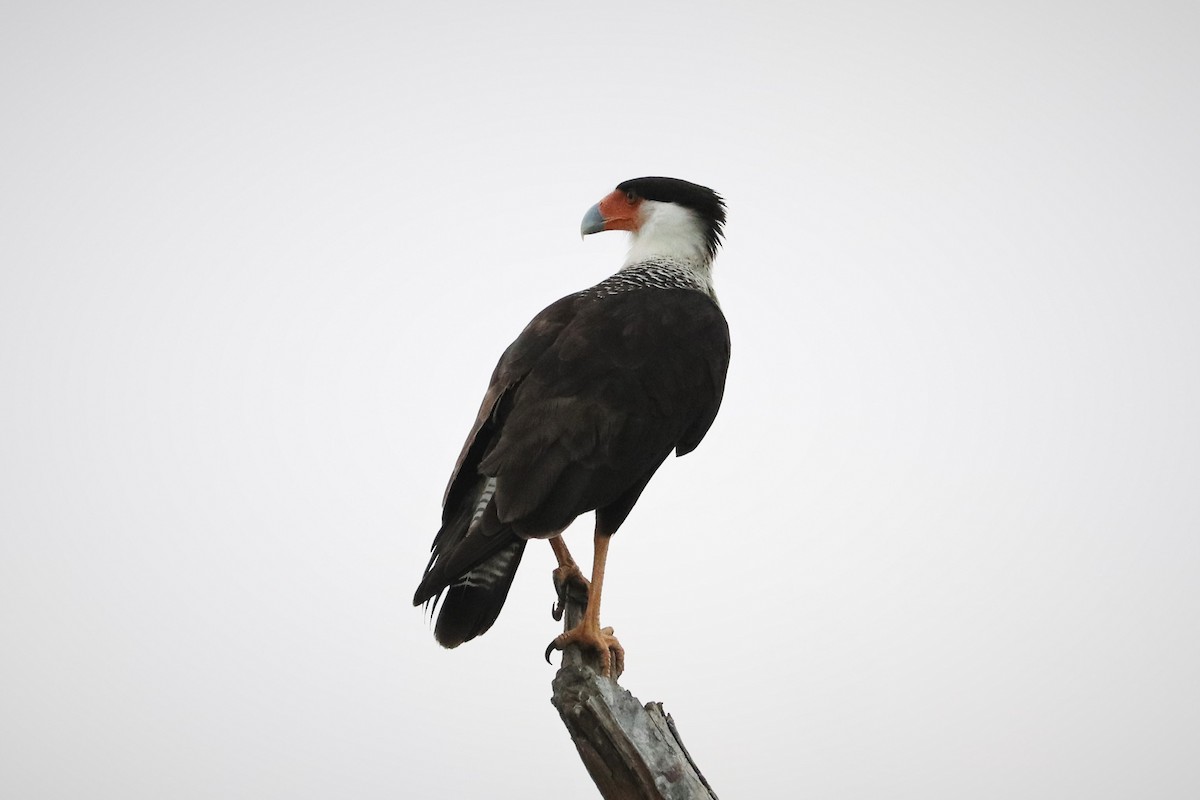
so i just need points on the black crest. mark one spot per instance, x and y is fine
(704, 201)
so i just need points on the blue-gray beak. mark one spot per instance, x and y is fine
(593, 221)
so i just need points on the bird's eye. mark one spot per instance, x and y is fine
(631, 197)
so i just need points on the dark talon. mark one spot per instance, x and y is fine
(563, 588)
(571, 587)
(550, 648)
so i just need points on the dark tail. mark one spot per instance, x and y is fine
(472, 602)
(474, 560)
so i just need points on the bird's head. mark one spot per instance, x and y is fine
(666, 217)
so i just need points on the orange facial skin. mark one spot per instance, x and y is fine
(620, 211)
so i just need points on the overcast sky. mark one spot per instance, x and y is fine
(258, 260)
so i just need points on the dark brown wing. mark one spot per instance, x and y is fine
(631, 377)
(582, 409)
(459, 545)
(516, 362)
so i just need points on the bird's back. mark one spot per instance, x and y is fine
(583, 407)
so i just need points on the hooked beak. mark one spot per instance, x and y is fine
(593, 221)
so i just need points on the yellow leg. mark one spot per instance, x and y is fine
(568, 578)
(588, 634)
(562, 553)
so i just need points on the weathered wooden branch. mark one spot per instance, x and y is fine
(632, 752)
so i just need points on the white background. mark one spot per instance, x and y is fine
(256, 264)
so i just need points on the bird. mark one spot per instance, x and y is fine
(582, 409)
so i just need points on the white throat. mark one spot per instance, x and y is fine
(669, 232)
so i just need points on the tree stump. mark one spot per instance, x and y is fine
(632, 751)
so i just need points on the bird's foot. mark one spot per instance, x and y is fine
(569, 582)
(595, 639)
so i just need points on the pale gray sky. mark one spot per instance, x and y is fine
(256, 264)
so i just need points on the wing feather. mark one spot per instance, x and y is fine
(581, 410)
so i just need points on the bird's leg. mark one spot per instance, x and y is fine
(588, 634)
(568, 578)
